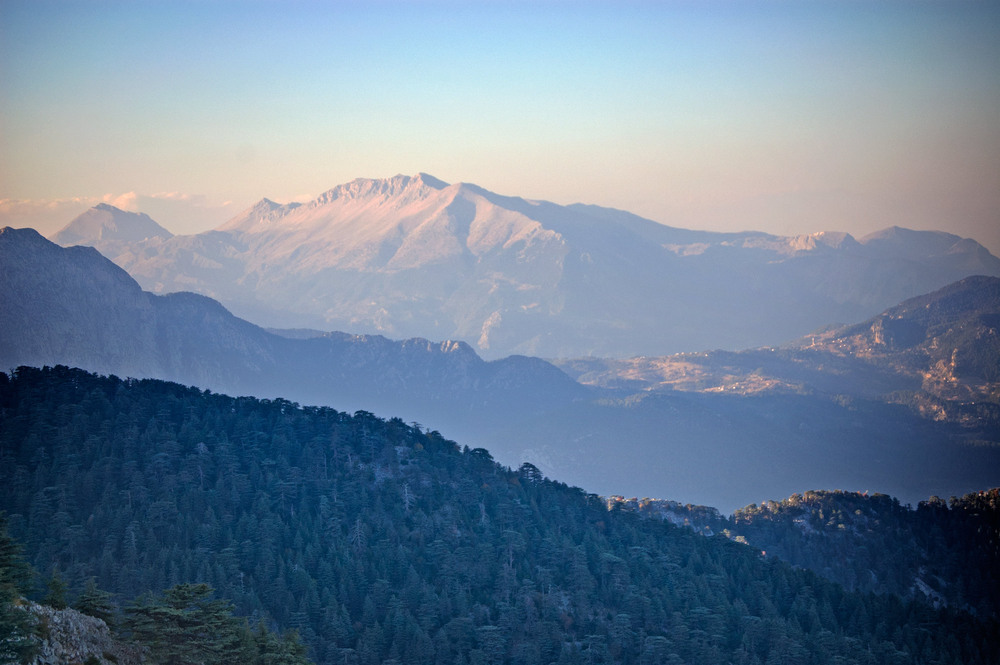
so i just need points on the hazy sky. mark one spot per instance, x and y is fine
(788, 117)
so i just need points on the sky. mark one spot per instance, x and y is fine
(785, 117)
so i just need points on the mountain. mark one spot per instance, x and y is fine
(414, 256)
(381, 542)
(938, 352)
(109, 226)
(949, 338)
(72, 306)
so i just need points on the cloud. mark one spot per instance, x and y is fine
(125, 201)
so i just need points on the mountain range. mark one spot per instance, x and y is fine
(417, 257)
(383, 542)
(72, 306)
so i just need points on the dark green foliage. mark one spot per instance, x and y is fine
(270, 648)
(948, 552)
(16, 626)
(95, 602)
(16, 575)
(55, 591)
(185, 625)
(382, 543)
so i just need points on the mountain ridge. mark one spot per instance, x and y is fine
(413, 256)
(939, 352)
(73, 306)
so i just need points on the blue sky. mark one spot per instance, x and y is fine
(789, 117)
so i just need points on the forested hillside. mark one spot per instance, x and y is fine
(949, 552)
(385, 543)
(181, 626)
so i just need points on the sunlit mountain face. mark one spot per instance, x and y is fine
(414, 256)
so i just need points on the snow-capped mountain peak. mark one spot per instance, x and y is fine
(259, 216)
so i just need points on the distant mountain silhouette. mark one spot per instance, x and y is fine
(414, 256)
(110, 226)
(72, 306)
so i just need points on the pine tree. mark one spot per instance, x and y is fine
(55, 591)
(274, 649)
(186, 626)
(95, 602)
(16, 625)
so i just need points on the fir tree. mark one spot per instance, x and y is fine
(16, 625)
(95, 602)
(185, 625)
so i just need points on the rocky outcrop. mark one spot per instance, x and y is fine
(68, 637)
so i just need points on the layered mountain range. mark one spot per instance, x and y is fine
(414, 256)
(939, 352)
(72, 306)
(386, 542)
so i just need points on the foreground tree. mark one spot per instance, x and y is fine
(185, 626)
(16, 625)
(96, 602)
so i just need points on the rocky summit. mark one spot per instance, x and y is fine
(413, 256)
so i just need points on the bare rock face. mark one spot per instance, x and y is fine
(71, 637)
(412, 256)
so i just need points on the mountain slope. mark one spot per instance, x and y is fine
(953, 330)
(939, 352)
(382, 542)
(108, 226)
(414, 256)
(72, 306)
